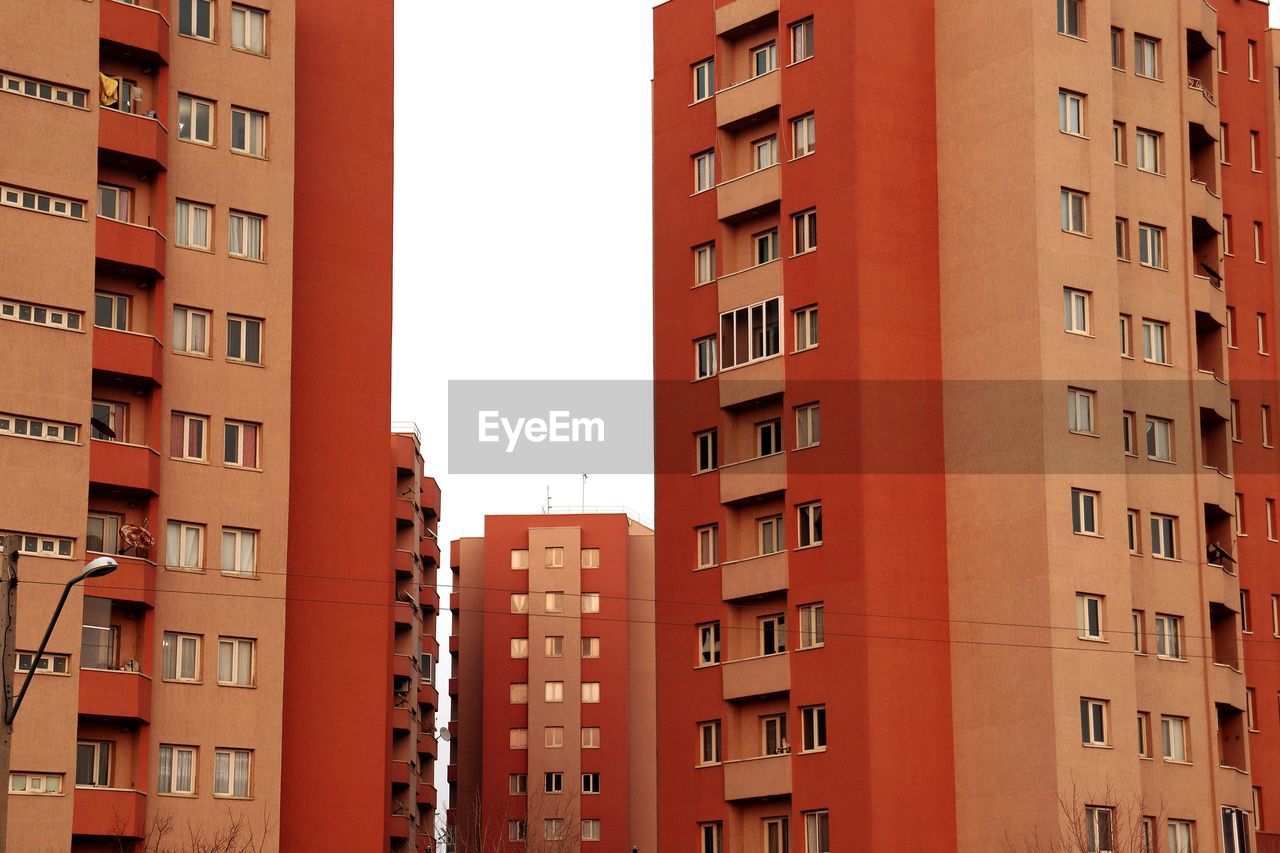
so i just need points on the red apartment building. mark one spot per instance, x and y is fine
(174, 285)
(985, 555)
(552, 686)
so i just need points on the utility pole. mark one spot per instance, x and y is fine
(8, 660)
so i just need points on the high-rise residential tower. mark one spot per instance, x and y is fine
(965, 493)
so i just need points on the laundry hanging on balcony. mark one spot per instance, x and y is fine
(108, 90)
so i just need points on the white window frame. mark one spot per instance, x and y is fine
(1080, 411)
(244, 324)
(175, 649)
(243, 33)
(191, 9)
(804, 140)
(709, 737)
(1155, 342)
(1151, 246)
(802, 40)
(1169, 637)
(1071, 117)
(590, 602)
(1173, 739)
(591, 693)
(763, 59)
(179, 533)
(704, 171)
(243, 653)
(1076, 306)
(764, 153)
(1146, 56)
(1075, 212)
(1094, 724)
(121, 202)
(553, 691)
(1164, 536)
(763, 333)
(813, 728)
(706, 539)
(704, 264)
(809, 525)
(765, 248)
(520, 559)
(189, 326)
(244, 545)
(817, 831)
(704, 80)
(36, 784)
(243, 229)
(1159, 434)
(254, 129)
(194, 108)
(185, 233)
(175, 754)
(709, 644)
(806, 328)
(769, 535)
(1086, 512)
(806, 231)
(1089, 616)
(1147, 155)
(812, 625)
(234, 777)
(553, 557)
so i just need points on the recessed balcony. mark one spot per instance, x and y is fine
(760, 778)
(754, 577)
(115, 694)
(749, 286)
(753, 479)
(135, 29)
(743, 14)
(128, 353)
(134, 141)
(128, 248)
(109, 812)
(749, 102)
(752, 678)
(753, 194)
(751, 382)
(125, 467)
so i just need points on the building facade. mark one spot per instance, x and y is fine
(992, 537)
(552, 691)
(166, 180)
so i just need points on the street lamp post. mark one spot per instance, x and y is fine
(95, 569)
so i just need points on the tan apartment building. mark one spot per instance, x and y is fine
(983, 557)
(552, 686)
(167, 398)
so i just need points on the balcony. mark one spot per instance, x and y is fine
(429, 600)
(127, 467)
(754, 577)
(402, 563)
(751, 382)
(135, 28)
(1212, 393)
(398, 826)
(405, 511)
(402, 665)
(1216, 487)
(750, 195)
(401, 719)
(426, 794)
(128, 248)
(429, 499)
(455, 601)
(403, 611)
(116, 694)
(427, 745)
(429, 551)
(428, 697)
(453, 644)
(749, 102)
(742, 14)
(757, 778)
(400, 772)
(109, 812)
(134, 581)
(453, 685)
(133, 141)
(128, 354)
(749, 286)
(753, 678)
(753, 479)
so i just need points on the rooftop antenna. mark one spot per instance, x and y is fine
(584, 492)
(547, 511)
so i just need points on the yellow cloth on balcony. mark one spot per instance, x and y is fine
(108, 90)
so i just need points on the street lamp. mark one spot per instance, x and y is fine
(95, 569)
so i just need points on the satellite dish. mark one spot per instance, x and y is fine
(444, 734)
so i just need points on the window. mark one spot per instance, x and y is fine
(517, 784)
(35, 783)
(517, 830)
(1144, 734)
(244, 236)
(589, 558)
(769, 437)
(190, 331)
(102, 533)
(1224, 147)
(1068, 25)
(591, 692)
(802, 40)
(770, 532)
(240, 444)
(1150, 245)
(177, 770)
(115, 202)
(708, 457)
(704, 80)
(195, 18)
(518, 693)
(553, 782)
(709, 743)
(1173, 737)
(1119, 152)
(553, 691)
(706, 537)
(553, 647)
(709, 644)
(1122, 239)
(590, 602)
(806, 328)
(553, 558)
(1154, 337)
(590, 647)
(1117, 48)
(49, 664)
(1073, 212)
(181, 653)
(1071, 112)
(1235, 420)
(553, 602)
(38, 429)
(804, 140)
(1246, 623)
(239, 551)
(813, 728)
(808, 426)
(1093, 722)
(191, 225)
(1146, 57)
(1148, 154)
(704, 357)
(249, 29)
(1253, 60)
(773, 634)
(1235, 830)
(44, 91)
(591, 737)
(765, 152)
(812, 634)
(777, 835)
(1139, 633)
(99, 639)
(704, 264)
(518, 738)
(235, 661)
(195, 119)
(1163, 537)
(1084, 512)
(520, 560)
(1255, 151)
(1159, 439)
(764, 59)
(553, 737)
(1262, 334)
(553, 829)
(750, 334)
(38, 545)
(590, 826)
(41, 202)
(184, 545)
(1088, 616)
(1133, 522)
(93, 764)
(1080, 410)
(1098, 824)
(1180, 836)
(806, 231)
(1168, 636)
(40, 315)
(1271, 519)
(248, 132)
(1258, 242)
(244, 340)
(1126, 336)
(1250, 709)
(766, 246)
(1231, 328)
(1075, 311)
(817, 830)
(231, 773)
(704, 171)
(810, 518)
